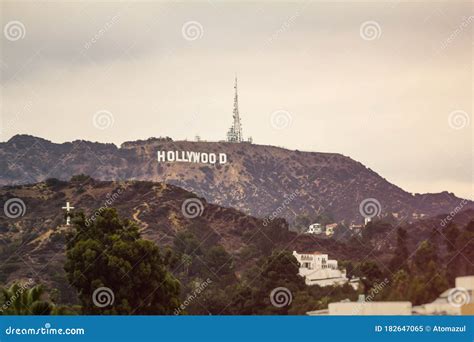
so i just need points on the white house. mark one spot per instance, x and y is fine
(318, 269)
(315, 228)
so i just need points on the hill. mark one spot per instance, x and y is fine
(258, 180)
(32, 238)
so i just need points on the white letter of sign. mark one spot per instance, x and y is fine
(161, 156)
(222, 158)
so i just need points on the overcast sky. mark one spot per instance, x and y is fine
(387, 83)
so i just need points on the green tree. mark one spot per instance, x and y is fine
(451, 233)
(18, 299)
(428, 279)
(460, 247)
(110, 253)
(185, 242)
(302, 303)
(400, 257)
(370, 273)
(425, 253)
(302, 222)
(280, 269)
(399, 286)
(219, 261)
(242, 300)
(435, 283)
(188, 249)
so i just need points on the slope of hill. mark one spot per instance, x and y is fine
(32, 237)
(258, 180)
(33, 244)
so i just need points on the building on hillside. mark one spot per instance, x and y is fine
(315, 228)
(356, 228)
(330, 229)
(317, 269)
(361, 308)
(418, 216)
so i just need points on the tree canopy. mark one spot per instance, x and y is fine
(109, 253)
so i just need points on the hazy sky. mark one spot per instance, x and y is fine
(387, 83)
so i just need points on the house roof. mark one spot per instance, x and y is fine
(310, 252)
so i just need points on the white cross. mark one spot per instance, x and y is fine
(68, 208)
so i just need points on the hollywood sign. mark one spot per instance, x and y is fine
(192, 157)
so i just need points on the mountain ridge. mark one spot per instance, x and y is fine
(256, 178)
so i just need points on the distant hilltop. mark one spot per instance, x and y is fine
(255, 179)
(130, 144)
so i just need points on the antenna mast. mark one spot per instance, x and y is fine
(235, 132)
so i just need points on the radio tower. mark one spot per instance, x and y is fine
(235, 132)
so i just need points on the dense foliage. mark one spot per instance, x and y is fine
(110, 253)
(22, 298)
(196, 275)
